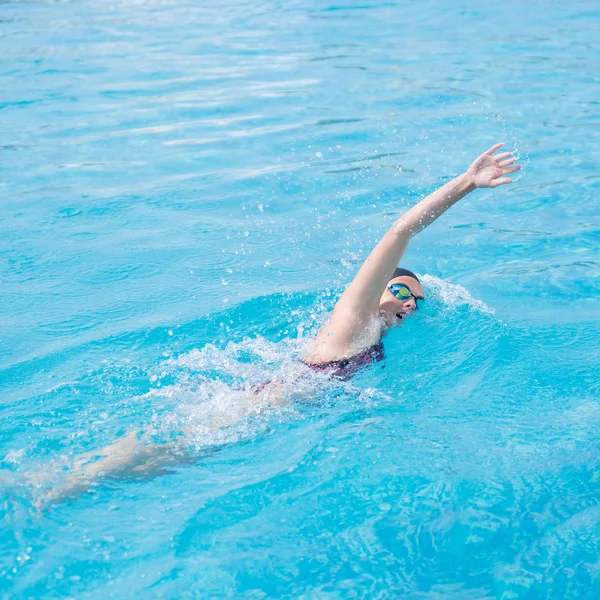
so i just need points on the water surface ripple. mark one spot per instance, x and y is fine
(185, 189)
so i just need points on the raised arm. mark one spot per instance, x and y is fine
(348, 329)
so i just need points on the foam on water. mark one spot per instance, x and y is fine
(233, 393)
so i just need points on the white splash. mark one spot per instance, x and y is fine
(453, 295)
(225, 395)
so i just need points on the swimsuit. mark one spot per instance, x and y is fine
(346, 367)
(343, 368)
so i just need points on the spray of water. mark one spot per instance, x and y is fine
(453, 296)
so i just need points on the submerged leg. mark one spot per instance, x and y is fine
(129, 457)
(110, 460)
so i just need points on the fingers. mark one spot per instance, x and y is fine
(503, 155)
(494, 148)
(505, 163)
(508, 170)
(502, 181)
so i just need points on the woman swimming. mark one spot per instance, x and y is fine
(380, 296)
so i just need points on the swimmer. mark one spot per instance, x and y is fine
(380, 297)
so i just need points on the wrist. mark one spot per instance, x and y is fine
(466, 182)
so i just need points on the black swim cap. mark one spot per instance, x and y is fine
(403, 273)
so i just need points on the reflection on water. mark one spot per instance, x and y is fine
(186, 189)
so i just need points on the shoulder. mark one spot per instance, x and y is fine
(331, 345)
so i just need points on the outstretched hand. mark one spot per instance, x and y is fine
(488, 170)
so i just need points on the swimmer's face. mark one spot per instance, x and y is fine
(392, 309)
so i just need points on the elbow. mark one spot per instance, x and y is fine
(403, 229)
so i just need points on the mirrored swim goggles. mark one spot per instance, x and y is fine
(403, 293)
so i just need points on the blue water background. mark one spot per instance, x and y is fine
(186, 187)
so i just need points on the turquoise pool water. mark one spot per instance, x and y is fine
(186, 188)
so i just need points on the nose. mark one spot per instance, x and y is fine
(410, 304)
